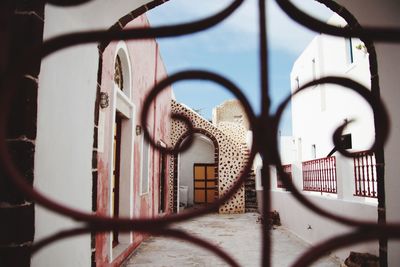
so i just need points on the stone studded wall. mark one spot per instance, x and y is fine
(229, 152)
(236, 131)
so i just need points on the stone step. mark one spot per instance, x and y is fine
(251, 210)
(250, 193)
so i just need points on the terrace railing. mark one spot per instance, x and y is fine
(319, 175)
(365, 175)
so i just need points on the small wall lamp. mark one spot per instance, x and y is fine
(104, 100)
(138, 130)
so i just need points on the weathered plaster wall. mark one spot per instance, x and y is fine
(230, 160)
(230, 111)
(146, 69)
(64, 147)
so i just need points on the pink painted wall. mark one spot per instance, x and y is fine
(147, 69)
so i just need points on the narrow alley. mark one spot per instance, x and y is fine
(237, 234)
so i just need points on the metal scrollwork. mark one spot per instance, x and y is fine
(265, 128)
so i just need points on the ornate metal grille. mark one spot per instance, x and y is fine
(265, 128)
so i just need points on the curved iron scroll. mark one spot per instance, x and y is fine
(265, 129)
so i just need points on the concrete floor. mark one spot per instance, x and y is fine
(239, 235)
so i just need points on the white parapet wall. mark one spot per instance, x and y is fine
(314, 228)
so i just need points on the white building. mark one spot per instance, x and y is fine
(316, 114)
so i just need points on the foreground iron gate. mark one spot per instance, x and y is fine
(265, 130)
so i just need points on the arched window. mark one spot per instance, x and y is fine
(122, 72)
(118, 74)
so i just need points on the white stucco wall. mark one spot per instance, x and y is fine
(201, 151)
(377, 13)
(287, 149)
(317, 112)
(63, 159)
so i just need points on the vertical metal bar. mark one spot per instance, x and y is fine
(311, 175)
(304, 177)
(361, 169)
(314, 174)
(363, 175)
(359, 176)
(373, 174)
(323, 174)
(355, 175)
(368, 160)
(334, 178)
(322, 171)
(306, 172)
(320, 174)
(326, 175)
(331, 175)
(315, 186)
(314, 177)
(265, 143)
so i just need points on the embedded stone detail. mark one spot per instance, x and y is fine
(229, 160)
(236, 131)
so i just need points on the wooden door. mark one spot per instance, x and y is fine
(205, 183)
(116, 174)
(161, 181)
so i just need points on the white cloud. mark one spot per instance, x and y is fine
(240, 31)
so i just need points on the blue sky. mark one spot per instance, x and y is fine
(231, 49)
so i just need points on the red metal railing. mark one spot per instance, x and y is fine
(365, 175)
(288, 170)
(320, 175)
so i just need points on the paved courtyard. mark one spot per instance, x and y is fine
(239, 235)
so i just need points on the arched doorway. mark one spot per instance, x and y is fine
(196, 172)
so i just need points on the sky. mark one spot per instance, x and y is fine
(231, 50)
